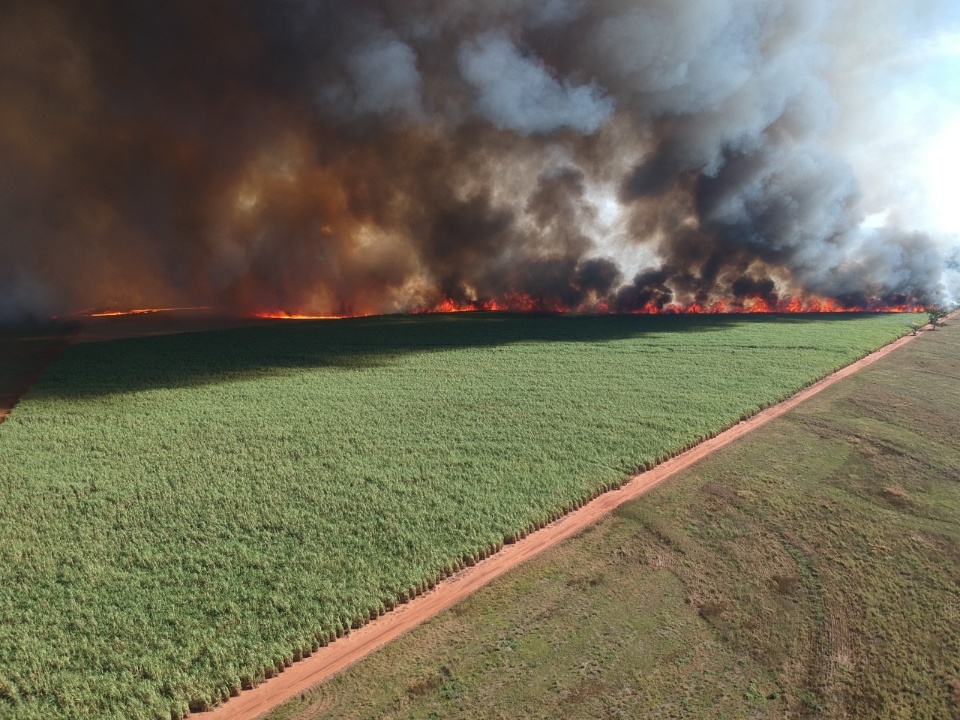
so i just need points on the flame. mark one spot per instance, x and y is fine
(513, 302)
(518, 303)
(284, 315)
(759, 305)
(144, 311)
(134, 311)
(753, 306)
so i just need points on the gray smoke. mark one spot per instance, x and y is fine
(519, 93)
(383, 80)
(384, 155)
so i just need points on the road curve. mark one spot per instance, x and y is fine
(333, 658)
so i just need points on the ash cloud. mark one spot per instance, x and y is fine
(383, 156)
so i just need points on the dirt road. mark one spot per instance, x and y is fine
(344, 652)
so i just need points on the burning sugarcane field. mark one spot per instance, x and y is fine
(318, 318)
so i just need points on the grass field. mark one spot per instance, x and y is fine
(810, 570)
(180, 514)
(22, 352)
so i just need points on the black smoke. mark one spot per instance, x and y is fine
(379, 155)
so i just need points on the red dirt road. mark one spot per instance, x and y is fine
(333, 658)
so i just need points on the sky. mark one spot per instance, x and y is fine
(930, 95)
(941, 69)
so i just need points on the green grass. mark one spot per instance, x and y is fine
(809, 570)
(180, 514)
(22, 352)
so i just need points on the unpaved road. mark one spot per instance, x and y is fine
(357, 644)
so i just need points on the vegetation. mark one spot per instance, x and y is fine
(22, 354)
(935, 316)
(181, 514)
(809, 570)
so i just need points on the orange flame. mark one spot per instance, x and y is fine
(759, 305)
(756, 305)
(518, 303)
(283, 315)
(513, 302)
(134, 311)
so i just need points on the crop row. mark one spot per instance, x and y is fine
(183, 516)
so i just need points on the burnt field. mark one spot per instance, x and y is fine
(181, 515)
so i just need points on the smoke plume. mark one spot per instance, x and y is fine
(385, 155)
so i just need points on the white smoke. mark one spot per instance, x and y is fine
(381, 79)
(518, 92)
(386, 79)
(551, 12)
